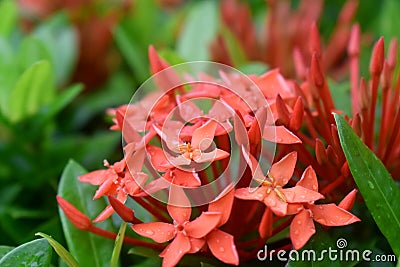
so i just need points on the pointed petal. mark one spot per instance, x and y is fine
(196, 244)
(279, 134)
(179, 160)
(332, 215)
(133, 185)
(170, 137)
(221, 111)
(251, 194)
(223, 204)
(203, 136)
(186, 178)
(309, 179)
(301, 229)
(154, 186)
(294, 208)
(282, 171)
(214, 155)
(107, 188)
(272, 83)
(222, 246)
(157, 158)
(299, 194)
(96, 177)
(188, 110)
(203, 224)
(178, 205)
(348, 202)
(160, 232)
(136, 161)
(254, 166)
(265, 228)
(173, 253)
(105, 214)
(278, 206)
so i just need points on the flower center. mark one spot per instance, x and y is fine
(272, 186)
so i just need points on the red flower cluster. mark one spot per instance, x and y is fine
(175, 145)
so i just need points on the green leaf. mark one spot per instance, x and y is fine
(33, 89)
(60, 250)
(4, 250)
(381, 195)
(34, 253)
(118, 245)
(199, 31)
(32, 50)
(87, 248)
(132, 53)
(9, 17)
(61, 41)
(236, 52)
(341, 95)
(257, 68)
(317, 246)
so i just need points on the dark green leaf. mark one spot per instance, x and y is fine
(199, 31)
(380, 192)
(60, 250)
(9, 17)
(34, 253)
(87, 248)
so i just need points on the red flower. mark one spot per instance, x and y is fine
(270, 190)
(302, 226)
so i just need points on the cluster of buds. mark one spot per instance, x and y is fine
(284, 33)
(199, 144)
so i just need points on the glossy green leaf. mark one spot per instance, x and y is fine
(4, 250)
(35, 253)
(34, 88)
(380, 192)
(314, 252)
(200, 29)
(60, 250)
(87, 248)
(9, 17)
(118, 245)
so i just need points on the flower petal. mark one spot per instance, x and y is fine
(188, 110)
(106, 188)
(223, 204)
(154, 186)
(179, 160)
(158, 231)
(348, 202)
(222, 246)
(203, 224)
(157, 158)
(173, 253)
(97, 177)
(203, 136)
(214, 155)
(265, 228)
(251, 194)
(105, 214)
(186, 178)
(277, 205)
(309, 179)
(196, 244)
(178, 205)
(254, 166)
(332, 215)
(279, 134)
(299, 194)
(301, 229)
(282, 170)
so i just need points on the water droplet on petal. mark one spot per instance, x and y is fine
(272, 202)
(221, 249)
(217, 241)
(299, 222)
(296, 232)
(149, 232)
(314, 187)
